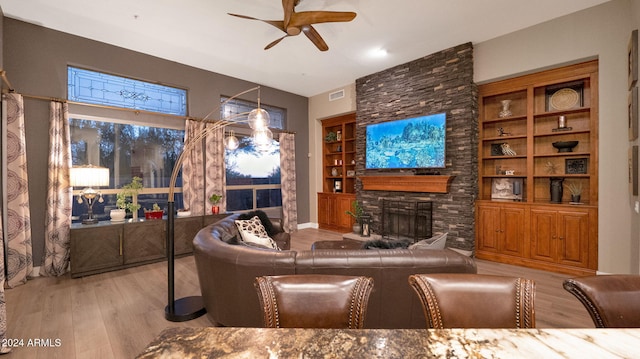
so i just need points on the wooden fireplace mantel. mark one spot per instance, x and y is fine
(427, 183)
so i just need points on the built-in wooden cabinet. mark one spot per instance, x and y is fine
(331, 211)
(525, 125)
(501, 229)
(109, 246)
(338, 172)
(562, 236)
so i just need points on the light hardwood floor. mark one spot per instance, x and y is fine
(116, 314)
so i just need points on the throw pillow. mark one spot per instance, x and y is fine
(435, 242)
(264, 219)
(252, 240)
(252, 230)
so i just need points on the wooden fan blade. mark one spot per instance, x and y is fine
(315, 37)
(299, 19)
(274, 43)
(287, 6)
(275, 23)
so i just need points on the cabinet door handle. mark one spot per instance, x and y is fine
(560, 238)
(120, 235)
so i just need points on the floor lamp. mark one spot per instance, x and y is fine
(189, 308)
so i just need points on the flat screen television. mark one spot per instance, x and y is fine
(417, 142)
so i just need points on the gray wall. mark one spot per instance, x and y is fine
(440, 82)
(36, 60)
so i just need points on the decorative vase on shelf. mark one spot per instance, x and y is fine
(555, 189)
(506, 112)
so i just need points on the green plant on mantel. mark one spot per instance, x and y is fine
(129, 190)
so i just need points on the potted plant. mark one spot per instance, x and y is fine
(154, 213)
(575, 188)
(357, 213)
(331, 137)
(215, 199)
(129, 190)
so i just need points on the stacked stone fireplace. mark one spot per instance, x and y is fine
(440, 82)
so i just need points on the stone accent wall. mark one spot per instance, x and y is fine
(440, 82)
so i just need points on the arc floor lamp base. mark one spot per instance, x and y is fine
(185, 309)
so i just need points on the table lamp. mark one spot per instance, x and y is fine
(89, 176)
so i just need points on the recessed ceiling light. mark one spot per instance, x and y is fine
(378, 52)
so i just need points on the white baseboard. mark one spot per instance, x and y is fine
(307, 225)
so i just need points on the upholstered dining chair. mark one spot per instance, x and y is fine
(613, 301)
(456, 300)
(314, 300)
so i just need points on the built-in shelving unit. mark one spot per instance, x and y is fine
(520, 121)
(338, 172)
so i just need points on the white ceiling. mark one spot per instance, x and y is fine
(199, 33)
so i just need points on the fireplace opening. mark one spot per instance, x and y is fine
(406, 220)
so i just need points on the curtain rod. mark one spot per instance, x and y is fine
(137, 112)
(3, 74)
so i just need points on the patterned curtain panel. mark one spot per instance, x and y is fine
(216, 179)
(18, 220)
(59, 193)
(192, 168)
(288, 181)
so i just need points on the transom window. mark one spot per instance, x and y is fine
(103, 89)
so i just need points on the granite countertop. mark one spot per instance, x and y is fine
(179, 342)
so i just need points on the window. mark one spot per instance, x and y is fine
(236, 106)
(104, 89)
(126, 143)
(253, 176)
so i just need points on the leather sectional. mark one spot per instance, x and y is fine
(227, 272)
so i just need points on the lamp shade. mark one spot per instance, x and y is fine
(89, 176)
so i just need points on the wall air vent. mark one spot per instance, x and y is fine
(336, 95)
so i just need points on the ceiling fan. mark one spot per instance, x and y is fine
(296, 22)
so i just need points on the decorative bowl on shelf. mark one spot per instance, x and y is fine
(565, 146)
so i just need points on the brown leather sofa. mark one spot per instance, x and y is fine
(227, 273)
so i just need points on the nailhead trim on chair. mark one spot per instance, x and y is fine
(357, 308)
(594, 312)
(271, 315)
(359, 301)
(524, 315)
